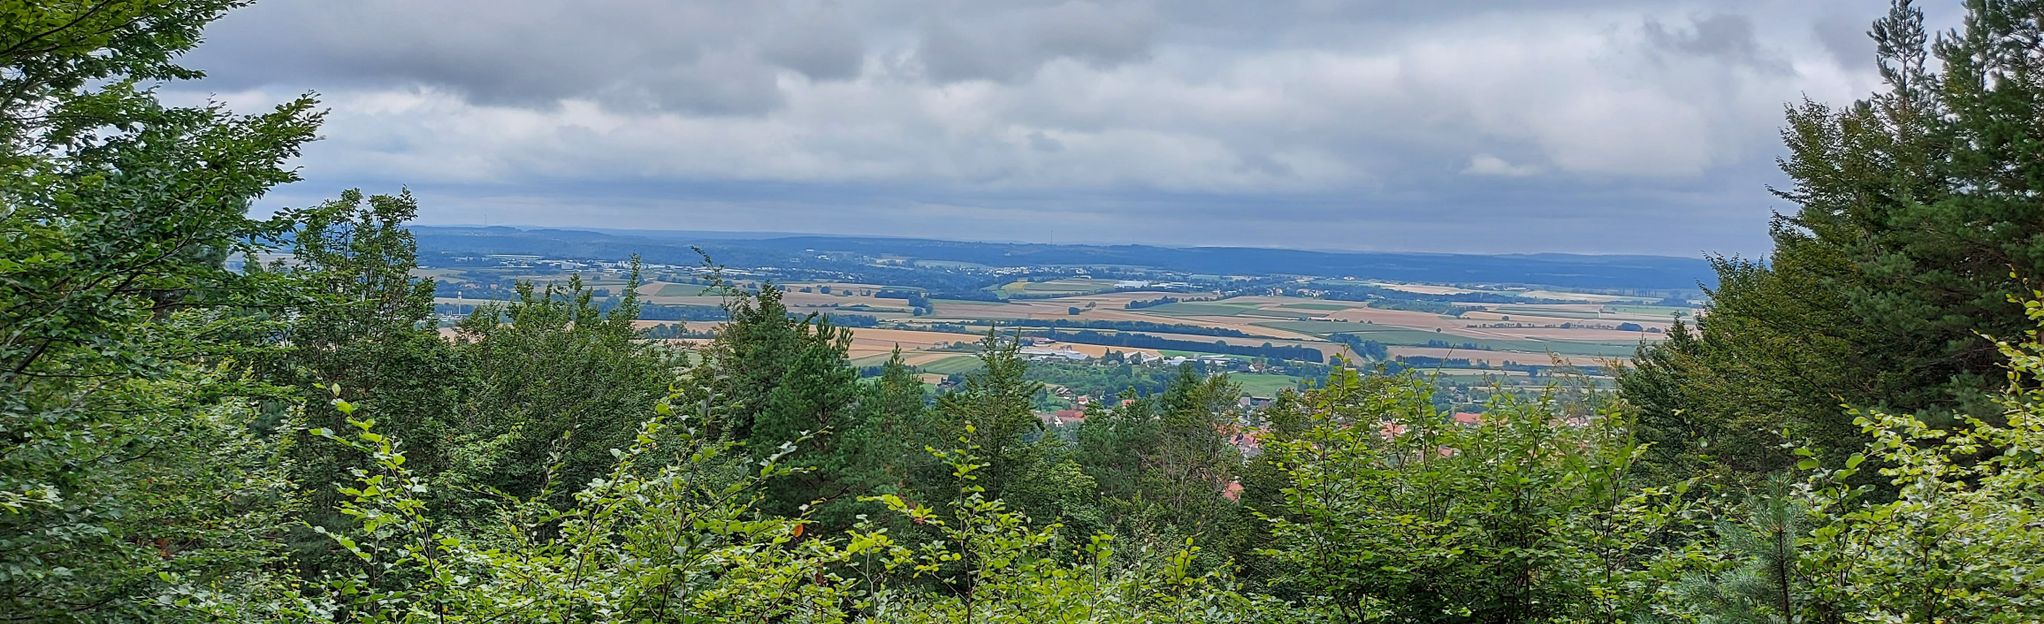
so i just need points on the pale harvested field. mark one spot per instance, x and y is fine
(1121, 299)
(1479, 318)
(1574, 308)
(1467, 326)
(986, 310)
(1106, 307)
(910, 340)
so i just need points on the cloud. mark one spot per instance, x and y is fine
(1488, 165)
(820, 42)
(1719, 35)
(1230, 122)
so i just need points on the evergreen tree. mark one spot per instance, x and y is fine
(784, 385)
(559, 382)
(1033, 472)
(887, 453)
(996, 401)
(1165, 465)
(1916, 219)
(366, 328)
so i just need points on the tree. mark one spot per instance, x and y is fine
(127, 470)
(1165, 465)
(779, 384)
(886, 453)
(1033, 472)
(1947, 532)
(1916, 218)
(366, 327)
(558, 384)
(1392, 511)
(996, 400)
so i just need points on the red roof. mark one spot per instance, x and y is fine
(1468, 419)
(1391, 430)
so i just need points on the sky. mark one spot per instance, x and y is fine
(1502, 126)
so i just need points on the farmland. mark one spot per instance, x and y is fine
(1271, 330)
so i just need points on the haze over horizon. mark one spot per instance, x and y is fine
(1579, 126)
(656, 232)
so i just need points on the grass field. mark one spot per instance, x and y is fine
(953, 365)
(1218, 308)
(682, 290)
(1647, 310)
(1400, 336)
(1262, 384)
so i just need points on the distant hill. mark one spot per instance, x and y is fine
(743, 250)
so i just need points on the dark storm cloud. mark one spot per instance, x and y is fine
(1577, 125)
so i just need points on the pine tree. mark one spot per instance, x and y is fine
(559, 381)
(1916, 219)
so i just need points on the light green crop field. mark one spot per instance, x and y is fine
(1407, 337)
(1215, 308)
(953, 365)
(1646, 310)
(682, 290)
(1522, 310)
(1262, 384)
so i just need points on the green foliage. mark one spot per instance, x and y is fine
(1392, 511)
(558, 383)
(363, 322)
(1026, 467)
(781, 379)
(127, 467)
(1957, 541)
(1164, 465)
(166, 449)
(1913, 207)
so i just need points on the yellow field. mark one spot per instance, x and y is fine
(1514, 332)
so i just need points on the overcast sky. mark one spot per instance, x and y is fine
(1600, 126)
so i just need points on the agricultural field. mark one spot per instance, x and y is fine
(1270, 337)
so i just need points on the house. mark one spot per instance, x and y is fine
(1234, 490)
(1060, 353)
(1065, 417)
